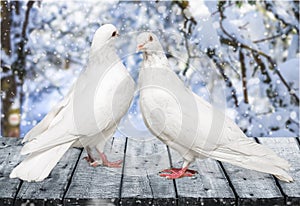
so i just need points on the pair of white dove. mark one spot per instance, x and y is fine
(88, 116)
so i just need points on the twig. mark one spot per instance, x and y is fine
(244, 76)
(270, 8)
(215, 12)
(187, 64)
(262, 67)
(244, 26)
(188, 21)
(220, 67)
(26, 21)
(286, 32)
(22, 54)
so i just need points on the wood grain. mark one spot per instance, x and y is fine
(145, 157)
(209, 186)
(9, 158)
(99, 185)
(253, 188)
(51, 190)
(74, 182)
(288, 149)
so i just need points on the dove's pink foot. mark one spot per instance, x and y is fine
(107, 163)
(175, 173)
(89, 159)
(172, 170)
(116, 164)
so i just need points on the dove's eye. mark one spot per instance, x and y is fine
(114, 33)
(150, 38)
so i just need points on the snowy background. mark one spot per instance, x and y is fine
(241, 56)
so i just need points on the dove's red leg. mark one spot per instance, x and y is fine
(89, 158)
(107, 163)
(178, 173)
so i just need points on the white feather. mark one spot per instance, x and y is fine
(37, 166)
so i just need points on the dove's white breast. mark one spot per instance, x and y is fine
(171, 111)
(113, 94)
(102, 95)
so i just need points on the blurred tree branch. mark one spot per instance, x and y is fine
(269, 5)
(244, 77)
(232, 41)
(283, 32)
(189, 21)
(5, 27)
(19, 66)
(13, 82)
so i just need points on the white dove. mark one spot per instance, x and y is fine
(87, 117)
(192, 126)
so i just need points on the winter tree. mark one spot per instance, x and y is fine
(241, 56)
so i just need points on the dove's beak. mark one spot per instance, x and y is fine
(139, 47)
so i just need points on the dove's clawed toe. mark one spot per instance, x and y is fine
(175, 173)
(116, 164)
(107, 163)
(89, 159)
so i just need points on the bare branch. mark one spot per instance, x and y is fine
(220, 66)
(244, 76)
(285, 32)
(210, 53)
(5, 25)
(235, 43)
(270, 7)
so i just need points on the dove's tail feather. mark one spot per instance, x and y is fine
(51, 138)
(37, 166)
(251, 155)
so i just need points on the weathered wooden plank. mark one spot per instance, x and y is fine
(144, 158)
(253, 188)
(208, 187)
(9, 158)
(100, 185)
(51, 190)
(288, 149)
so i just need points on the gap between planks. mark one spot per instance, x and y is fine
(123, 170)
(72, 174)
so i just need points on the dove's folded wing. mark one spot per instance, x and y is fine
(63, 128)
(63, 131)
(43, 125)
(217, 137)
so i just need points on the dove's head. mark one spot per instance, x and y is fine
(148, 42)
(105, 36)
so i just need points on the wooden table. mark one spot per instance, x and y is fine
(74, 182)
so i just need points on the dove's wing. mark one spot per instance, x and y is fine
(45, 152)
(43, 125)
(110, 102)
